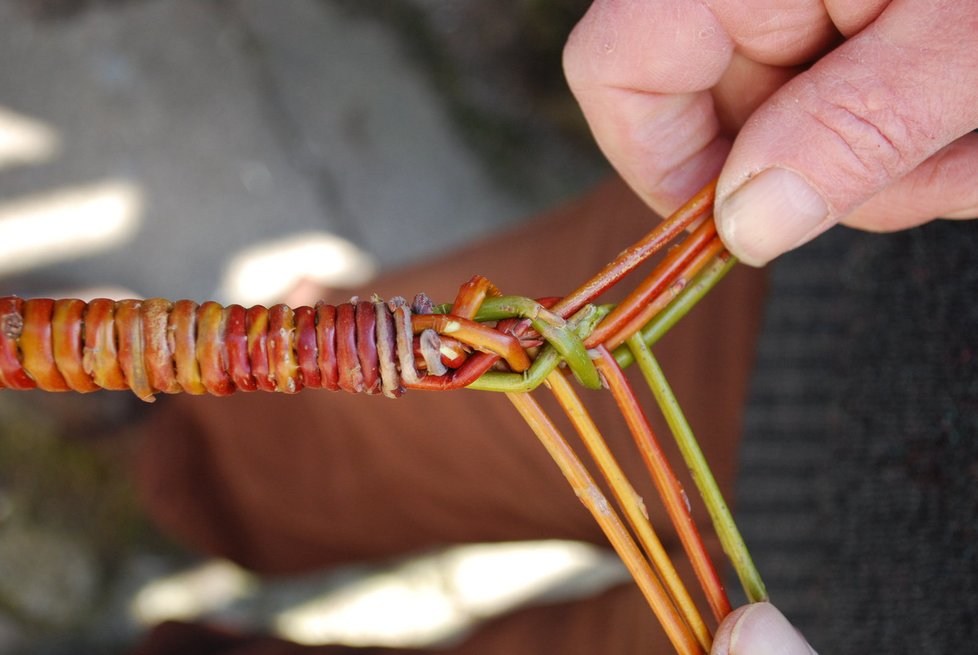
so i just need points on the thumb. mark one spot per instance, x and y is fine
(759, 629)
(856, 123)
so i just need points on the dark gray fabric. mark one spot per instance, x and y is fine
(858, 491)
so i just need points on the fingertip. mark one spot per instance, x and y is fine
(759, 629)
(721, 640)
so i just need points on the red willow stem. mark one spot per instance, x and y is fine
(470, 296)
(477, 364)
(670, 490)
(695, 208)
(474, 367)
(657, 304)
(467, 302)
(664, 274)
(698, 207)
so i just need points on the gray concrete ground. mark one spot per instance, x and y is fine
(226, 124)
(186, 148)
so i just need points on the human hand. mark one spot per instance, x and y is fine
(758, 629)
(874, 134)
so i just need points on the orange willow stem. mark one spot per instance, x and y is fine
(696, 208)
(590, 495)
(630, 503)
(471, 295)
(647, 313)
(660, 279)
(479, 336)
(666, 483)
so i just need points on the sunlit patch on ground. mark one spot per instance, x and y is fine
(266, 272)
(26, 141)
(67, 223)
(418, 601)
(192, 593)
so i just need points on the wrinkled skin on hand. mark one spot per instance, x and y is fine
(813, 112)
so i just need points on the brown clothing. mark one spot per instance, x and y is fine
(284, 484)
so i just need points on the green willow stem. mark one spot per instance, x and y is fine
(678, 308)
(723, 523)
(581, 323)
(495, 309)
(550, 326)
(555, 330)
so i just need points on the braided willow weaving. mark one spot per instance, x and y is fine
(483, 340)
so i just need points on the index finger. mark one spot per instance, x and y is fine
(641, 72)
(779, 32)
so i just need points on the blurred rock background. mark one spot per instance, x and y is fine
(231, 150)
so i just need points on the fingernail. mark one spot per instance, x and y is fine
(763, 630)
(770, 214)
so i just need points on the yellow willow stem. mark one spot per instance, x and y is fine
(590, 495)
(630, 503)
(723, 523)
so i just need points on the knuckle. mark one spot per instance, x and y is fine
(877, 141)
(576, 71)
(782, 35)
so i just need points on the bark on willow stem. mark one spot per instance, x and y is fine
(670, 490)
(590, 495)
(730, 537)
(630, 503)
